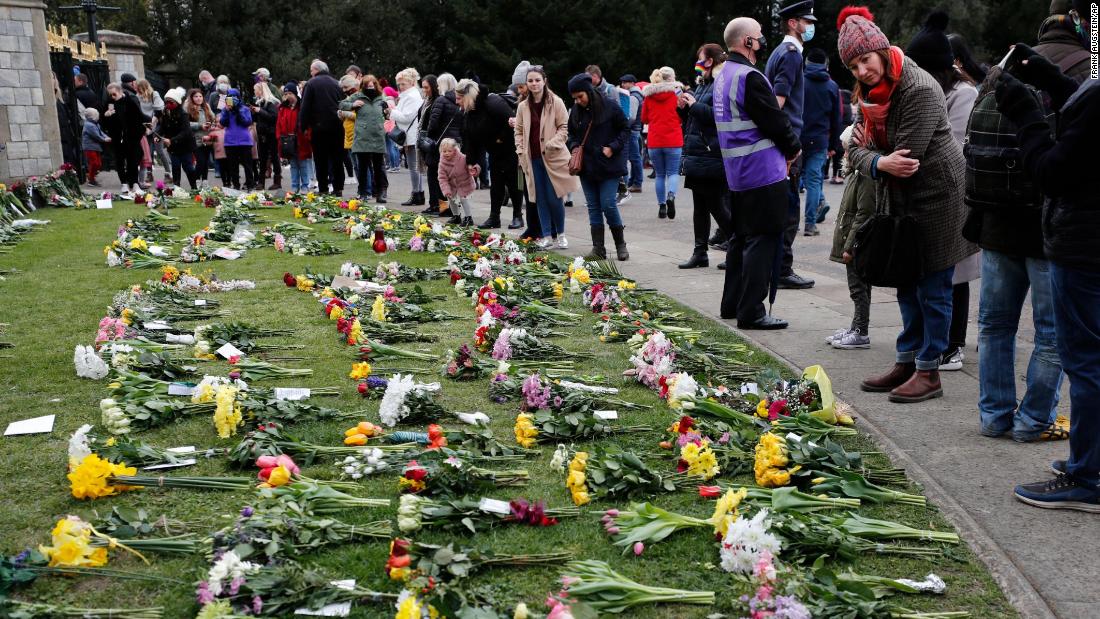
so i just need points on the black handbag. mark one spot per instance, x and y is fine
(428, 145)
(398, 135)
(288, 145)
(888, 250)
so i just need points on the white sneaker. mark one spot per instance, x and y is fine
(953, 361)
(544, 242)
(851, 341)
(563, 243)
(839, 333)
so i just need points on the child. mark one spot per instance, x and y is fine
(92, 142)
(455, 181)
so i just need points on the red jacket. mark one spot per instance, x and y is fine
(659, 112)
(286, 124)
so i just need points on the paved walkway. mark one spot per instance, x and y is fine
(1046, 561)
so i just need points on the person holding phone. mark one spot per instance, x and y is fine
(124, 122)
(236, 119)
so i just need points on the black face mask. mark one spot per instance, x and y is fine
(762, 42)
(371, 92)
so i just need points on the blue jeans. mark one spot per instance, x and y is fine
(1005, 281)
(812, 176)
(926, 320)
(601, 199)
(393, 154)
(1076, 299)
(299, 174)
(551, 208)
(634, 155)
(666, 163)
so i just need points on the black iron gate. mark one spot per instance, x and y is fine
(98, 74)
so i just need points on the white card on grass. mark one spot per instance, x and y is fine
(339, 609)
(181, 389)
(34, 425)
(605, 414)
(229, 350)
(494, 506)
(750, 388)
(200, 302)
(291, 393)
(104, 203)
(226, 254)
(157, 325)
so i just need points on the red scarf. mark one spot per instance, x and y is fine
(875, 105)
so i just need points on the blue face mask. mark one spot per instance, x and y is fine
(809, 34)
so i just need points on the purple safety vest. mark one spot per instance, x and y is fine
(750, 159)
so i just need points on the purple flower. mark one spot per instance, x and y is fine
(557, 401)
(257, 604)
(534, 394)
(502, 349)
(203, 594)
(246, 512)
(160, 185)
(376, 382)
(235, 585)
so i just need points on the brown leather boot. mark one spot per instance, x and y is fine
(895, 377)
(922, 385)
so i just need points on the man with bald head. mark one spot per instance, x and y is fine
(757, 144)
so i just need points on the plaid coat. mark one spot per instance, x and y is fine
(934, 195)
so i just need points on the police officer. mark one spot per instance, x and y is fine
(758, 145)
(784, 71)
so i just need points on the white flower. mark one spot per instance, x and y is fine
(684, 385)
(452, 260)
(561, 454)
(483, 268)
(487, 320)
(88, 364)
(744, 542)
(113, 259)
(228, 568)
(78, 444)
(393, 409)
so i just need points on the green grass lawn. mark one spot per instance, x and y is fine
(61, 294)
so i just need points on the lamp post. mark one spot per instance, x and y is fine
(90, 7)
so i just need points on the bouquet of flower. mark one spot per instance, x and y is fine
(76, 543)
(416, 512)
(548, 426)
(95, 477)
(423, 564)
(373, 350)
(154, 364)
(653, 360)
(135, 254)
(519, 344)
(406, 400)
(285, 531)
(607, 591)
(562, 396)
(118, 449)
(209, 338)
(234, 587)
(313, 496)
(395, 272)
(810, 535)
(612, 473)
(439, 473)
(464, 364)
(268, 439)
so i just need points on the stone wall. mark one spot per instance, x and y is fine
(28, 116)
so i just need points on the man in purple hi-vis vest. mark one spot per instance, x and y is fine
(758, 145)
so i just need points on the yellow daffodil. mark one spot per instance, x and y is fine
(762, 409)
(359, 370)
(353, 205)
(378, 309)
(227, 415)
(89, 480)
(336, 313)
(138, 243)
(771, 461)
(582, 276)
(559, 291)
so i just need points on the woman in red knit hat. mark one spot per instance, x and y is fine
(903, 141)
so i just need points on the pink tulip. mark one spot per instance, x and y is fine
(638, 548)
(266, 462)
(614, 513)
(287, 462)
(613, 531)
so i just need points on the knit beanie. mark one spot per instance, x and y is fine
(291, 86)
(930, 48)
(519, 76)
(581, 82)
(858, 33)
(176, 94)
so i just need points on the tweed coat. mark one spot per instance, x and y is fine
(553, 134)
(934, 195)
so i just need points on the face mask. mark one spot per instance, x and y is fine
(371, 92)
(223, 88)
(809, 34)
(171, 105)
(762, 42)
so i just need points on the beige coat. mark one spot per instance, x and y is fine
(555, 154)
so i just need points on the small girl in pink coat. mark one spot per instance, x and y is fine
(455, 181)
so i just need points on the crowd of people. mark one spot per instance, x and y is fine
(952, 171)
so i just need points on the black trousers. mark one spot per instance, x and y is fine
(202, 162)
(749, 263)
(377, 164)
(328, 160)
(960, 315)
(435, 192)
(237, 157)
(711, 198)
(794, 216)
(504, 172)
(268, 150)
(128, 160)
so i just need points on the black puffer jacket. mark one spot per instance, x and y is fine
(609, 128)
(485, 128)
(702, 153)
(445, 120)
(127, 124)
(320, 100)
(1062, 167)
(176, 126)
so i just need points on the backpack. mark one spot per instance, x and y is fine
(995, 176)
